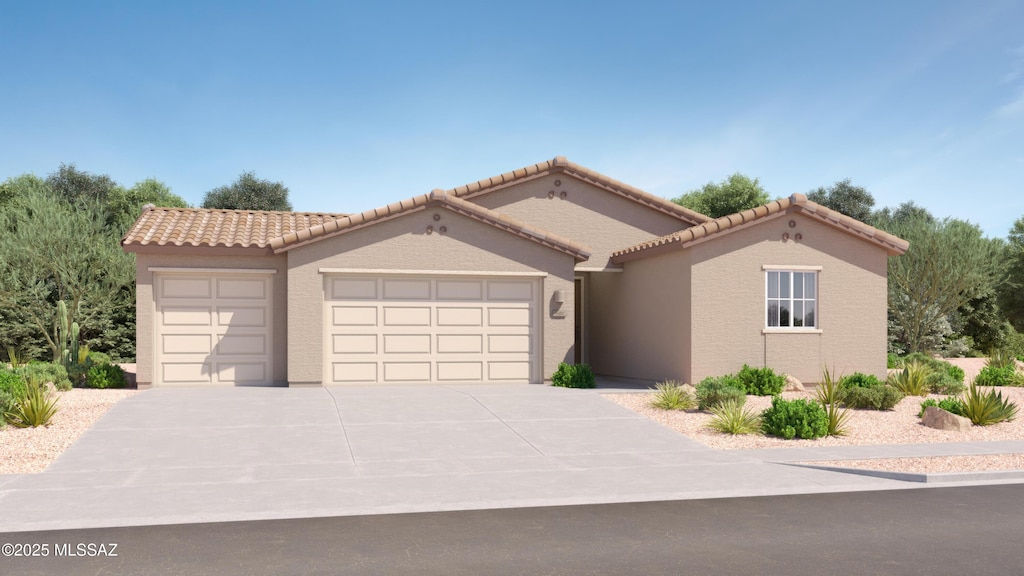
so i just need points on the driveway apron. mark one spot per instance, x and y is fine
(193, 455)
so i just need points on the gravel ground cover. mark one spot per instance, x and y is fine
(933, 464)
(866, 427)
(30, 450)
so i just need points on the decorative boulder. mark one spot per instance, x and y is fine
(690, 389)
(935, 417)
(793, 385)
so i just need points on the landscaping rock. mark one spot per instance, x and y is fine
(935, 417)
(793, 385)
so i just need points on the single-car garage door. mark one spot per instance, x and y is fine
(213, 328)
(397, 329)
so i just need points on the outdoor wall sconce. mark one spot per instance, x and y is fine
(559, 297)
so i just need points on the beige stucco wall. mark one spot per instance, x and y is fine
(728, 301)
(402, 244)
(145, 305)
(596, 218)
(639, 319)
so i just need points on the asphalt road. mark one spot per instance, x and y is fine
(933, 531)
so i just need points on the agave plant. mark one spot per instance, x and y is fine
(1001, 358)
(670, 395)
(912, 380)
(830, 394)
(35, 409)
(731, 417)
(987, 408)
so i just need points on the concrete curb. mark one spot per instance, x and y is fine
(935, 478)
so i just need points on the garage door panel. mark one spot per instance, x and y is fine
(460, 371)
(241, 288)
(185, 372)
(187, 315)
(508, 316)
(353, 289)
(460, 290)
(354, 315)
(407, 372)
(509, 343)
(510, 290)
(242, 317)
(354, 344)
(503, 371)
(354, 371)
(242, 344)
(187, 343)
(453, 316)
(213, 328)
(175, 288)
(241, 372)
(406, 289)
(406, 316)
(460, 344)
(431, 329)
(407, 344)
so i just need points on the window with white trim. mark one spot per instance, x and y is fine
(791, 299)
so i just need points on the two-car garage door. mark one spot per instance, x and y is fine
(399, 329)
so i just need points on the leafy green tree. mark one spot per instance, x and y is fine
(1011, 294)
(845, 198)
(80, 187)
(249, 193)
(948, 264)
(125, 205)
(734, 194)
(52, 250)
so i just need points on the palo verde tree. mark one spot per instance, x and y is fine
(249, 193)
(734, 194)
(949, 263)
(50, 251)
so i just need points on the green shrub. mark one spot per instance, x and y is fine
(731, 417)
(1001, 358)
(877, 398)
(670, 395)
(951, 404)
(35, 409)
(13, 383)
(573, 376)
(986, 408)
(99, 358)
(995, 376)
(893, 361)
(830, 394)
(860, 380)
(714, 390)
(13, 389)
(912, 380)
(937, 367)
(45, 372)
(761, 381)
(794, 419)
(946, 383)
(108, 376)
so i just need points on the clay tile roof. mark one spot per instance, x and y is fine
(796, 203)
(218, 228)
(561, 165)
(435, 197)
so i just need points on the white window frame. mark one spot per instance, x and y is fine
(792, 299)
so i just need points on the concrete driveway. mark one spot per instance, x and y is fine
(194, 455)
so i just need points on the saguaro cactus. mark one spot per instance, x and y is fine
(67, 336)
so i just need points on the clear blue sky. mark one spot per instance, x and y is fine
(357, 104)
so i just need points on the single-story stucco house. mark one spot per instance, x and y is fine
(500, 281)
